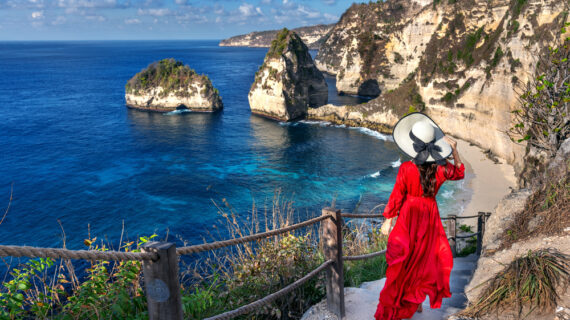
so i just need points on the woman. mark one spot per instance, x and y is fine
(418, 253)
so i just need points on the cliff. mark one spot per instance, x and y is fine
(312, 36)
(461, 58)
(288, 83)
(169, 85)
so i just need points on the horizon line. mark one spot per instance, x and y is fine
(85, 40)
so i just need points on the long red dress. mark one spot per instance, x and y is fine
(418, 253)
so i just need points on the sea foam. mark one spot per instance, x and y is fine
(171, 113)
(396, 163)
(372, 133)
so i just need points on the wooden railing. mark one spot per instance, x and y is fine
(161, 274)
(452, 230)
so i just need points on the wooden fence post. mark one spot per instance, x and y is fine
(451, 225)
(481, 231)
(161, 282)
(332, 240)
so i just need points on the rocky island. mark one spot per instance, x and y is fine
(288, 83)
(169, 85)
(313, 37)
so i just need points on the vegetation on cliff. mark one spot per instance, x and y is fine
(543, 115)
(172, 76)
(529, 283)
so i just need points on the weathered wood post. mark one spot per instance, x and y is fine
(480, 231)
(161, 282)
(451, 225)
(331, 233)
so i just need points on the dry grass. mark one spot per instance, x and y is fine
(250, 271)
(529, 283)
(546, 213)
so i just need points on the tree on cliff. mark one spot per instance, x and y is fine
(543, 117)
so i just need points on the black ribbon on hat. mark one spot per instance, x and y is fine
(424, 150)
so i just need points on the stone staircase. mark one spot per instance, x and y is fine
(361, 302)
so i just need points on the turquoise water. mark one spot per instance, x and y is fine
(76, 156)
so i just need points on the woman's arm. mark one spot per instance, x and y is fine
(395, 201)
(456, 159)
(386, 226)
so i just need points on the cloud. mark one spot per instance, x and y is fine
(330, 17)
(155, 12)
(132, 21)
(97, 4)
(59, 20)
(247, 10)
(329, 2)
(307, 13)
(37, 15)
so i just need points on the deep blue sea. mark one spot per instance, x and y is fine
(75, 154)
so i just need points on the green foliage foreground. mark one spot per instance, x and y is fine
(46, 288)
(41, 289)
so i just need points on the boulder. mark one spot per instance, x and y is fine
(169, 85)
(287, 84)
(502, 217)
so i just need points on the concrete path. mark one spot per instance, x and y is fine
(361, 302)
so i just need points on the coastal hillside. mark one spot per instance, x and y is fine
(459, 59)
(313, 37)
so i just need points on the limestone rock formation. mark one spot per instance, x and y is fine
(462, 57)
(312, 36)
(288, 83)
(169, 85)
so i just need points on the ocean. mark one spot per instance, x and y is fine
(76, 159)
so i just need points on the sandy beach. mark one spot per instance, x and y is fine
(488, 182)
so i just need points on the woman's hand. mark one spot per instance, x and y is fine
(451, 142)
(385, 229)
(455, 153)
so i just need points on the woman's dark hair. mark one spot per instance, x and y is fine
(427, 178)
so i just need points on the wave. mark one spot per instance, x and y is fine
(177, 112)
(447, 194)
(396, 163)
(320, 123)
(372, 133)
(374, 175)
(363, 130)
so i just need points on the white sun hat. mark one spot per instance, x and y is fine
(421, 138)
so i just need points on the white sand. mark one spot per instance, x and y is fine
(489, 182)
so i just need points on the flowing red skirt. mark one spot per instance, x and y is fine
(419, 261)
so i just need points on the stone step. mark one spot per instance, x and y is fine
(361, 302)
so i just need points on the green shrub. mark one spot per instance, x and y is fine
(173, 76)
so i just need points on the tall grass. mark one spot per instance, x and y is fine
(361, 237)
(529, 283)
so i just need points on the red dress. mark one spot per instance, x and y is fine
(418, 253)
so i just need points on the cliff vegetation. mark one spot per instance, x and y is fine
(170, 75)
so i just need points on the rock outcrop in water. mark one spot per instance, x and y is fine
(169, 85)
(288, 83)
(459, 57)
(312, 36)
